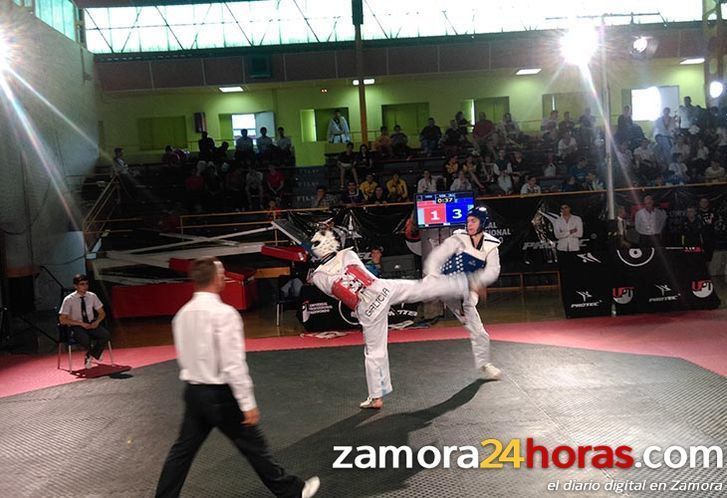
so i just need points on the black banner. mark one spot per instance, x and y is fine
(525, 225)
(585, 284)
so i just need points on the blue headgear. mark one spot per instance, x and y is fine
(480, 212)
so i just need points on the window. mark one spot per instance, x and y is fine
(647, 104)
(493, 107)
(243, 122)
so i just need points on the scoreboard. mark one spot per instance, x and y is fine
(440, 209)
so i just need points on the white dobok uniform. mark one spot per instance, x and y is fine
(345, 278)
(455, 255)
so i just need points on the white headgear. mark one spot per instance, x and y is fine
(324, 242)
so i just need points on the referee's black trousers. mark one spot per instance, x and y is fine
(209, 406)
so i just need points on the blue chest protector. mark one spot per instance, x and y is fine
(462, 263)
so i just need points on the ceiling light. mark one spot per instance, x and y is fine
(527, 71)
(693, 60)
(578, 45)
(715, 89)
(231, 89)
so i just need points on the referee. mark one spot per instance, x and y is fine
(208, 337)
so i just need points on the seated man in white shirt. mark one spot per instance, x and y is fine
(83, 312)
(208, 337)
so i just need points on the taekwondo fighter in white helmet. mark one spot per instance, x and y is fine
(341, 274)
(465, 251)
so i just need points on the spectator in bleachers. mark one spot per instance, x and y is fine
(379, 196)
(244, 150)
(322, 198)
(451, 168)
(382, 145)
(530, 186)
(504, 181)
(462, 124)
(567, 148)
(170, 158)
(519, 167)
(399, 142)
(254, 188)
(586, 124)
(489, 175)
(579, 170)
(338, 131)
(593, 182)
(509, 129)
(549, 127)
(471, 167)
(567, 125)
(352, 196)
(429, 137)
(681, 147)
(284, 150)
(453, 139)
(364, 160)
(482, 131)
(700, 159)
(273, 212)
(233, 186)
(346, 163)
(220, 153)
(213, 183)
(194, 191)
(664, 129)
(274, 184)
(461, 183)
(647, 167)
(551, 168)
(677, 172)
(714, 173)
(686, 115)
(397, 188)
(570, 184)
(206, 146)
(368, 186)
(426, 183)
(264, 144)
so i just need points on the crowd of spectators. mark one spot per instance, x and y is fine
(567, 155)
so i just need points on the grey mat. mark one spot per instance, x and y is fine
(109, 437)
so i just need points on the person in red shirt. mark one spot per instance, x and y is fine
(274, 183)
(482, 130)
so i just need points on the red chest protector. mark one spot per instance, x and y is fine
(353, 281)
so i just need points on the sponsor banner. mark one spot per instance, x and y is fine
(585, 284)
(661, 279)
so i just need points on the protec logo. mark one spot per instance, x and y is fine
(623, 295)
(588, 258)
(702, 288)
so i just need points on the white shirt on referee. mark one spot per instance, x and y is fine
(210, 344)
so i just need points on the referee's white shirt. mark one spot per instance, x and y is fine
(210, 344)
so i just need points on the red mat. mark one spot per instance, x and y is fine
(698, 336)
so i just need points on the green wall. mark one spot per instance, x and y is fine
(120, 112)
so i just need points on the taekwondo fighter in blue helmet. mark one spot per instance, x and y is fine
(470, 250)
(341, 274)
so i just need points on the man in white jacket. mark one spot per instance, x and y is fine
(341, 274)
(464, 251)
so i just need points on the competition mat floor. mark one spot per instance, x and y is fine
(108, 437)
